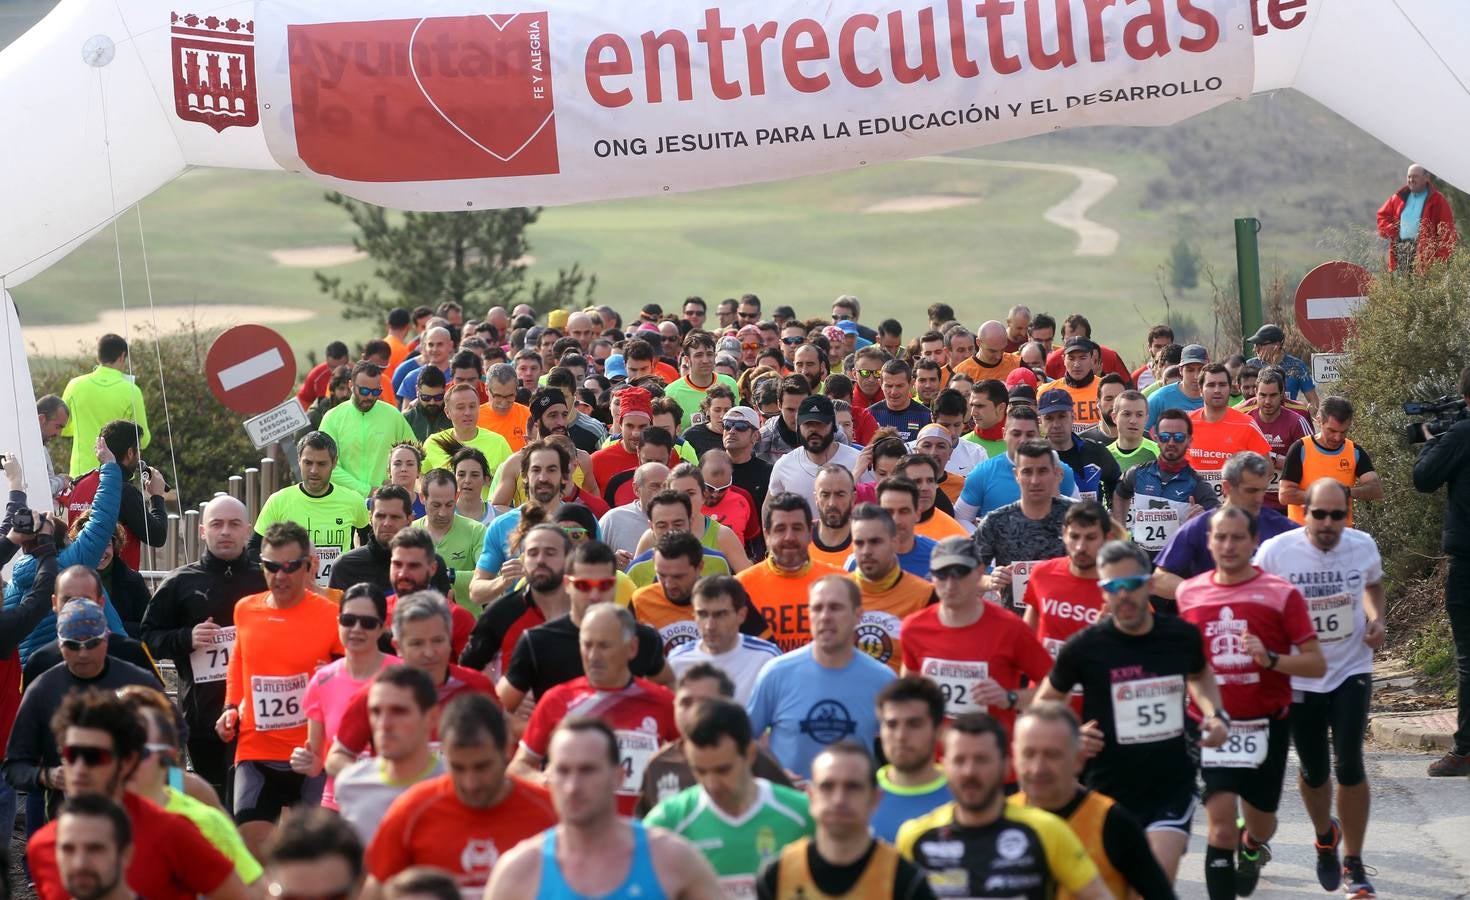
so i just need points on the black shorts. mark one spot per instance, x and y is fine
(1169, 811)
(1344, 712)
(1260, 786)
(265, 789)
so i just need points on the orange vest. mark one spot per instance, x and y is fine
(1341, 466)
(1086, 821)
(794, 880)
(1085, 409)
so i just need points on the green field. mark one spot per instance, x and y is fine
(1305, 172)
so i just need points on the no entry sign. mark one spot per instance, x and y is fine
(1325, 301)
(250, 369)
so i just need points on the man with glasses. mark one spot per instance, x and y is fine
(425, 416)
(1270, 344)
(740, 433)
(365, 431)
(867, 386)
(281, 637)
(1338, 570)
(102, 740)
(83, 583)
(726, 312)
(1134, 670)
(695, 311)
(503, 415)
(749, 310)
(1153, 500)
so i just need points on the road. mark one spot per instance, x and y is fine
(1418, 837)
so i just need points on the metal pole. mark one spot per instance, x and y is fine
(191, 534)
(252, 492)
(1248, 273)
(237, 487)
(171, 544)
(269, 477)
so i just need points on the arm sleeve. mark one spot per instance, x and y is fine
(1365, 462)
(140, 410)
(235, 676)
(1035, 661)
(985, 538)
(521, 670)
(650, 658)
(485, 638)
(1069, 483)
(162, 631)
(1291, 469)
(1064, 671)
(1441, 458)
(96, 534)
(762, 704)
(1125, 489)
(1388, 219)
(1111, 472)
(387, 854)
(1127, 849)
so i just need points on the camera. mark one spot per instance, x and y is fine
(1437, 417)
(23, 521)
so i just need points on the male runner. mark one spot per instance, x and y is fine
(1154, 499)
(890, 594)
(1062, 596)
(1219, 431)
(910, 713)
(328, 511)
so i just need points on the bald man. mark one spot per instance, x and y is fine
(437, 348)
(991, 359)
(191, 620)
(1417, 222)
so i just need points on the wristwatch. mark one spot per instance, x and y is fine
(1221, 715)
(1272, 658)
(1012, 698)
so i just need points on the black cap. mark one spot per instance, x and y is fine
(783, 312)
(1268, 334)
(1078, 342)
(1023, 393)
(652, 311)
(816, 408)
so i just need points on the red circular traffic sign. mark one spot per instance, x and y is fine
(250, 369)
(1325, 301)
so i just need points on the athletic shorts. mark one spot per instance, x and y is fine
(1342, 711)
(1261, 786)
(265, 789)
(1170, 811)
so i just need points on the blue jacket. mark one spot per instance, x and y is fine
(86, 550)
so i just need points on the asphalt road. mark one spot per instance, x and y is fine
(1418, 837)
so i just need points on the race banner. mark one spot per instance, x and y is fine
(446, 105)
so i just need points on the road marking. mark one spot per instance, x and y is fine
(248, 370)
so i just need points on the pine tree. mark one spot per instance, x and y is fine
(1183, 265)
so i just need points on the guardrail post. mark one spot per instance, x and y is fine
(171, 544)
(252, 492)
(237, 487)
(270, 477)
(191, 534)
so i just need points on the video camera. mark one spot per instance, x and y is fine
(1437, 417)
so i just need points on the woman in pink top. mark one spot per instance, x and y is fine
(363, 617)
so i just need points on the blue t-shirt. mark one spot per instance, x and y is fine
(496, 549)
(908, 422)
(1413, 211)
(408, 389)
(899, 804)
(1298, 374)
(808, 706)
(405, 367)
(915, 562)
(1188, 552)
(992, 484)
(1170, 396)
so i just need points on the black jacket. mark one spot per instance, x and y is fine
(369, 563)
(17, 622)
(207, 589)
(1446, 460)
(128, 594)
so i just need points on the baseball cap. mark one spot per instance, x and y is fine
(1023, 394)
(743, 414)
(729, 360)
(533, 336)
(80, 620)
(1022, 376)
(1268, 334)
(783, 312)
(730, 345)
(652, 311)
(1078, 342)
(1194, 353)
(615, 367)
(955, 551)
(816, 408)
(1054, 400)
(557, 319)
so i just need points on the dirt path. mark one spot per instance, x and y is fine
(1093, 239)
(64, 340)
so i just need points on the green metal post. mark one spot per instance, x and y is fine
(1248, 273)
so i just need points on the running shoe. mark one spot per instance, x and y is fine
(1450, 765)
(1329, 867)
(1355, 883)
(1248, 865)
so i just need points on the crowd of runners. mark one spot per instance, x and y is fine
(707, 601)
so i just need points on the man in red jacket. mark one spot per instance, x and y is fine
(1417, 222)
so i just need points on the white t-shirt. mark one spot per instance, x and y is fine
(622, 526)
(742, 664)
(795, 472)
(1333, 584)
(963, 459)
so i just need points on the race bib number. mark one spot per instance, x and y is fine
(1148, 709)
(1245, 748)
(1215, 478)
(1155, 521)
(738, 887)
(211, 661)
(1334, 618)
(326, 559)
(1020, 574)
(957, 680)
(278, 701)
(635, 749)
(1274, 487)
(1053, 646)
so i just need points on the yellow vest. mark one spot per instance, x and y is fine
(1086, 821)
(794, 880)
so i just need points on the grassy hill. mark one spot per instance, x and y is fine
(1306, 173)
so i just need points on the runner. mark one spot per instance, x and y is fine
(1134, 668)
(890, 594)
(910, 713)
(721, 607)
(329, 512)
(833, 499)
(1219, 431)
(779, 584)
(978, 844)
(926, 471)
(1131, 448)
(1281, 426)
(1062, 597)
(1338, 571)
(843, 858)
(1078, 382)
(1258, 633)
(364, 431)
(738, 820)
(594, 852)
(457, 540)
(282, 637)
(816, 422)
(1183, 394)
(540, 598)
(899, 497)
(465, 821)
(1015, 537)
(1328, 454)
(993, 484)
(1154, 499)
(1048, 749)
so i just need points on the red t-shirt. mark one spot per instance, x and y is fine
(355, 732)
(1288, 428)
(171, 859)
(1265, 606)
(598, 505)
(997, 646)
(642, 714)
(611, 460)
(428, 825)
(315, 384)
(1064, 603)
(1056, 363)
(461, 623)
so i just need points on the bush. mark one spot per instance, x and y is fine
(206, 441)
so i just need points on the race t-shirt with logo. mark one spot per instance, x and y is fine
(1065, 604)
(1214, 443)
(1135, 687)
(808, 706)
(276, 653)
(907, 421)
(460, 548)
(1265, 606)
(1288, 428)
(886, 603)
(1307, 461)
(641, 715)
(511, 426)
(430, 826)
(673, 621)
(1085, 411)
(1158, 502)
(330, 519)
(737, 846)
(780, 597)
(1332, 582)
(997, 646)
(742, 663)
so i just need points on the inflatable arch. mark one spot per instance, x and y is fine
(453, 105)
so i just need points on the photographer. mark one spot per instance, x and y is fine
(1445, 459)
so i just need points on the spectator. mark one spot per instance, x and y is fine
(83, 583)
(143, 522)
(98, 397)
(53, 416)
(124, 588)
(1417, 222)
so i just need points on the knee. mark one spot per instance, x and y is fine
(1351, 773)
(1314, 777)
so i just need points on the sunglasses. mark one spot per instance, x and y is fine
(1123, 585)
(1171, 437)
(746, 315)
(290, 568)
(89, 644)
(949, 573)
(588, 585)
(91, 757)
(792, 341)
(868, 373)
(164, 752)
(369, 392)
(750, 346)
(432, 398)
(1336, 515)
(736, 425)
(716, 488)
(367, 623)
(575, 533)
